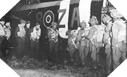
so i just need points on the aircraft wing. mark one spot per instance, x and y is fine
(43, 5)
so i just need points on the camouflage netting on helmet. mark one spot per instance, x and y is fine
(115, 14)
(106, 18)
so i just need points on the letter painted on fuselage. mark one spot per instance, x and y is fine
(63, 11)
(63, 18)
(74, 18)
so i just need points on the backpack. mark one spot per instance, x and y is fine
(2, 32)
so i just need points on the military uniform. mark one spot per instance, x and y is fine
(72, 35)
(118, 37)
(107, 42)
(53, 41)
(20, 38)
(107, 21)
(27, 38)
(6, 40)
(34, 39)
(82, 44)
(95, 36)
(118, 41)
(2, 35)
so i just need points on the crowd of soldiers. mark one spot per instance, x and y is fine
(111, 35)
(27, 39)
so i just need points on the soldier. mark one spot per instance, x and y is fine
(107, 20)
(82, 43)
(20, 34)
(53, 39)
(118, 38)
(7, 29)
(38, 33)
(2, 35)
(35, 34)
(27, 39)
(72, 35)
(95, 36)
(6, 40)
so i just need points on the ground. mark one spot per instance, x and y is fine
(29, 67)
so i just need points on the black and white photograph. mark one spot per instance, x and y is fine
(63, 38)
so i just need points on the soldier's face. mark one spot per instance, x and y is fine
(37, 27)
(2, 22)
(23, 24)
(54, 26)
(8, 24)
(28, 25)
(19, 25)
(93, 22)
(83, 25)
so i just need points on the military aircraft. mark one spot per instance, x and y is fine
(67, 13)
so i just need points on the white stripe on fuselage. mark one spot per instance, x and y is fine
(84, 10)
(64, 5)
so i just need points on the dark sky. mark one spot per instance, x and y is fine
(23, 1)
(20, 4)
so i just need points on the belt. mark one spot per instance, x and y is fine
(54, 40)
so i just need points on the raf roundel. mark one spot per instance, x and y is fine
(48, 18)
